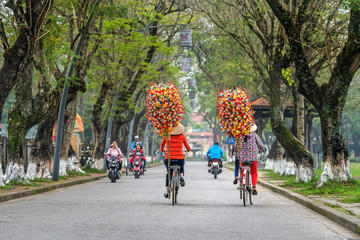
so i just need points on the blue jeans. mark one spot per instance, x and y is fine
(181, 163)
(237, 165)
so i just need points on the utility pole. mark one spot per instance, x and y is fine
(60, 121)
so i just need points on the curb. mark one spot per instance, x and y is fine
(343, 219)
(42, 189)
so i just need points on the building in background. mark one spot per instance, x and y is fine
(199, 136)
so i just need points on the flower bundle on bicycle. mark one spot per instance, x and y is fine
(164, 107)
(236, 119)
(165, 110)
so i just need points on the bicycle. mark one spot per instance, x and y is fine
(174, 183)
(245, 185)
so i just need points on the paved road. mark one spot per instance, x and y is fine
(136, 209)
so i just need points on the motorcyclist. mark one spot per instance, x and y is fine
(215, 152)
(136, 141)
(114, 151)
(137, 152)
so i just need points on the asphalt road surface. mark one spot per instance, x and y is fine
(132, 208)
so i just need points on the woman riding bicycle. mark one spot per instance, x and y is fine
(177, 140)
(251, 145)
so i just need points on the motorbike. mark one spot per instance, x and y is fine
(138, 166)
(85, 158)
(114, 166)
(215, 168)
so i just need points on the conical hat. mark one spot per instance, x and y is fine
(253, 128)
(179, 129)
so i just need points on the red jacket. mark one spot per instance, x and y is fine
(141, 153)
(176, 146)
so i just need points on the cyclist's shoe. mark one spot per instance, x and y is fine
(239, 188)
(182, 181)
(209, 169)
(235, 181)
(166, 194)
(254, 191)
(220, 170)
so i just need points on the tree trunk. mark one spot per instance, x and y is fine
(299, 115)
(336, 155)
(274, 159)
(20, 122)
(9, 72)
(99, 130)
(1, 176)
(18, 57)
(43, 151)
(296, 149)
(68, 160)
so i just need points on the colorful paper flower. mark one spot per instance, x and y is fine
(164, 107)
(234, 112)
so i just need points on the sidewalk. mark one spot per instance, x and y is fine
(347, 215)
(24, 191)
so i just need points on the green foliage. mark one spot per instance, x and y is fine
(87, 169)
(348, 191)
(355, 170)
(41, 180)
(74, 173)
(351, 4)
(21, 182)
(286, 73)
(7, 187)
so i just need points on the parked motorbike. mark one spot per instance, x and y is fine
(114, 166)
(85, 158)
(215, 168)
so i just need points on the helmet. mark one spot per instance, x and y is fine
(137, 137)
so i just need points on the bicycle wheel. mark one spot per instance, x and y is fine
(240, 185)
(240, 190)
(244, 194)
(173, 191)
(244, 188)
(176, 186)
(249, 188)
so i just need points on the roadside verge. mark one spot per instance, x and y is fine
(345, 220)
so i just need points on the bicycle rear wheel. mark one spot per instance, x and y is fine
(173, 191)
(240, 190)
(245, 188)
(176, 186)
(244, 194)
(249, 188)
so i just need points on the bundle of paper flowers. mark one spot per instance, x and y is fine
(234, 112)
(164, 107)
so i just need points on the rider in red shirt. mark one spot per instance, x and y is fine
(137, 152)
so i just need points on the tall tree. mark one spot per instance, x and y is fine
(255, 29)
(328, 98)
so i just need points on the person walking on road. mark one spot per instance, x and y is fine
(251, 145)
(177, 140)
(215, 152)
